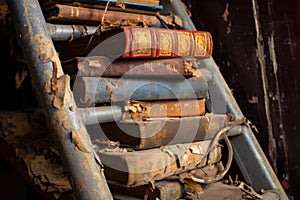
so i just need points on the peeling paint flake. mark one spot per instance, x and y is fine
(226, 13)
(196, 149)
(62, 115)
(47, 53)
(76, 139)
(190, 68)
(44, 48)
(63, 95)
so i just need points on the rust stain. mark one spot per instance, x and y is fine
(109, 90)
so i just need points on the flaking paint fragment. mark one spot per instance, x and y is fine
(76, 139)
(47, 53)
(20, 76)
(62, 98)
(189, 68)
(63, 119)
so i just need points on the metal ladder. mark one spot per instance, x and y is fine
(84, 171)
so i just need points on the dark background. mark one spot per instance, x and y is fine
(257, 47)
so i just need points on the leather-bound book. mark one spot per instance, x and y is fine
(138, 42)
(147, 5)
(156, 132)
(107, 67)
(96, 90)
(60, 13)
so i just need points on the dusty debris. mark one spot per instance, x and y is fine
(171, 20)
(190, 68)
(32, 151)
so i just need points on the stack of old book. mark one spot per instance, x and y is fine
(153, 74)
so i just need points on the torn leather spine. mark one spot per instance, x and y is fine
(158, 163)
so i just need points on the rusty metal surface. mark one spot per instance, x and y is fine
(158, 163)
(101, 114)
(141, 134)
(65, 32)
(168, 108)
(52, 90)
(95, 90)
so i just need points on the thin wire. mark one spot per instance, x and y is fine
(222, 133)
(222, 173)
(99, 28)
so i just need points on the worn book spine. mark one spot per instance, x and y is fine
(107, 67)
(152, 133)
(138, 42)
(125, 4)
(160, 42)
(168, 108)
(76, 14)
(95, 90)
(102, 7)
(127, 169)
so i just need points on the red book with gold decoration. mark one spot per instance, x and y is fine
(138, 42)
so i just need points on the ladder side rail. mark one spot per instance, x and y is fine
(51, 89)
